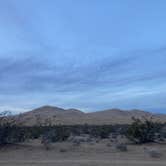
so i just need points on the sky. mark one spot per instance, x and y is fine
(85, 54)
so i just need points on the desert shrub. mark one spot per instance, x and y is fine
(143, 131)
(108, 144)
(163, 132)
(62, 133)
(154, 153)
(79, 139)
(46, 141)
(56, 133)
(9, 135)
(77, 143)
(100, 131)
(62, 150)
(9, 131)
(59, 134)
(121, 147)
(35, 132)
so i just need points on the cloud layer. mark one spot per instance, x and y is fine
(89, 55)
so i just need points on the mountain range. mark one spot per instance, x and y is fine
(58, 116)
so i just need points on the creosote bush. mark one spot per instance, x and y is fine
(121, 147)
(143, 130)
(9, 131)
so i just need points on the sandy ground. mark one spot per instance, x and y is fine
(33, 154)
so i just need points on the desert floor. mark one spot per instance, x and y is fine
(32, 153)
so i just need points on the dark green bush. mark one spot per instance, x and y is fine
(143, 131)
(57, 134)
(100, 131)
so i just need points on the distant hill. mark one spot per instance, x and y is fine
(54, 115)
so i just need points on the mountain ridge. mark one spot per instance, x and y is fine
(72, 116)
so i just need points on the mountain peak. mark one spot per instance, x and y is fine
(49, 107)
(75, 111)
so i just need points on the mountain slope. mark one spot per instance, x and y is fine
(54, 115)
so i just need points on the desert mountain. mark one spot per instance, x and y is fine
(54, 115)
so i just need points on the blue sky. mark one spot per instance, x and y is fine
(90, 55)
